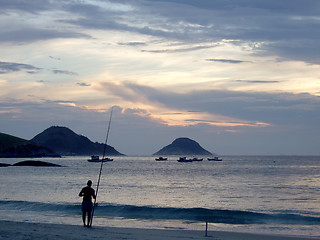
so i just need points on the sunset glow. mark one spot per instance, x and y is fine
(176, 67)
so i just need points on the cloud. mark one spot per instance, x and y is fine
(225, 60)
(21, 118)
(295, 118)
(9, 67)
(285, 29)
(127, 91)
(33, 6)
(177, 50)
(107, 23)
(64, 72)
(83, 84)
(55, 58)
(35, 34)
(132, 44)
(32, 21)
(257, 81)
(226, 106)
(272, 108)
(295, 49)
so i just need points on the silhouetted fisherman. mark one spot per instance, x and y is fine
(87, 193)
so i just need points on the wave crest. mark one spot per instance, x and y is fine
(169, 213)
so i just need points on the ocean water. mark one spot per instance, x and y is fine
(258, 194)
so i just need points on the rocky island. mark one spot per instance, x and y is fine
(67, 143)
(183, 146)
(36, 164)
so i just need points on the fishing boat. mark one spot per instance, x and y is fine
(184, 159)
(161, 159)
(214, 159)
(95, 158)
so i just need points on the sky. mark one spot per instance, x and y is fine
(237, 76)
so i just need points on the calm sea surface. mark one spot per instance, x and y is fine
(262, 194)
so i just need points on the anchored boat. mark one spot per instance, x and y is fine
(184, 159)
(161, 159)
(214, 159)
(95, 158)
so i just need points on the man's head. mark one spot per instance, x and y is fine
(89, 183)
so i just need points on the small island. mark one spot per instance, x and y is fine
(36, 164)
(4, 165)
(183, 146)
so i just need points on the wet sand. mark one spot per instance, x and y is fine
(37, 231)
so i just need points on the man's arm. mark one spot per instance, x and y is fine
(81, 193)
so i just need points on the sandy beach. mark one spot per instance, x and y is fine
(24, 230)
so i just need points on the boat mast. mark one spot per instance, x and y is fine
(104, 152)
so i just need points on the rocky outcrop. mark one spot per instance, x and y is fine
(36, 164)
(183, 146)
(66, 142)
(14, 147)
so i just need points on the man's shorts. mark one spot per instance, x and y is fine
(86, 206)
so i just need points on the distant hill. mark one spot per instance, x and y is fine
(65, 142)
(14, 147)
(183, 146)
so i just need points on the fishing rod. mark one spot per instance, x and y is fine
(104, 152)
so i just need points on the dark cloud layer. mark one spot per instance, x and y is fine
(287, 28)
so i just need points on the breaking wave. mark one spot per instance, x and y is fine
(165, 213)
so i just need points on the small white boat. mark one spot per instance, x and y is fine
(184, 159)
(214, 159)
(161, 159)
(196, 159)
(95, 158)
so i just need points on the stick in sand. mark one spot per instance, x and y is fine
(206, 235)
